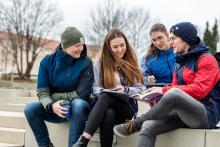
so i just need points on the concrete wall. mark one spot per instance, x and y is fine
(177, 138)
(17, 85)
(58, 134)
(9, 95)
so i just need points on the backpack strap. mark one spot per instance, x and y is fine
(217, 57)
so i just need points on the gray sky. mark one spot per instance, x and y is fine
(168, 12)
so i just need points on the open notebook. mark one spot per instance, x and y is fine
(149, 97)
(120, 95)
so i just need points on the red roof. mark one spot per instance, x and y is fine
(52, 44)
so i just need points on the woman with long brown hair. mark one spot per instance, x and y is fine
(116, 68)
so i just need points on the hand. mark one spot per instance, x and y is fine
(155, 89)
(119, 88)
(151, 79)
(58, 110)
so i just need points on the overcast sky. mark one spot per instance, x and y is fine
(168, 12)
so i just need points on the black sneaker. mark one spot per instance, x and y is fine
(50, 145)
(126, 129)
(82, 142)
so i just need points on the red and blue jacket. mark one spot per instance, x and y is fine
(197, 74)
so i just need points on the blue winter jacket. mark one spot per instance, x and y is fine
(61, 73)
(161, 65)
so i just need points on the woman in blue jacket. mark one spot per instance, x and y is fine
(158, 65)
(65, 75)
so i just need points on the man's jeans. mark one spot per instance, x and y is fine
(36, 117)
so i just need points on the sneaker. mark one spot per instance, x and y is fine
(82, 142)
(50, 145)
(126, 129)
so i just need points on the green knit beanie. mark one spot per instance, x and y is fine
(71, 36)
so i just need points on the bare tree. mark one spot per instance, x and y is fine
(137, 28)
(27, 23)
(103, 18)
(108, 14)
(5, 51)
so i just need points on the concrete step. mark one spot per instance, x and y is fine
(9, 95)
(12, 107)
(25, 100)
(58, 134)
(33, 93)
(6, 84)
(12, 136)
(12, 119)
(142, 107)
(177, 138)
(14, 92)
(182, 138)
(212, 138)
(10, 145)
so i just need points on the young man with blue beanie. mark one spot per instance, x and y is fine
(187, 32)
(193, 98)
(66, 75)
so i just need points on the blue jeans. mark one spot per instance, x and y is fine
(36, 117)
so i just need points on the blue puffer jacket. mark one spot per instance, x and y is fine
(160, 65)
(60, 73)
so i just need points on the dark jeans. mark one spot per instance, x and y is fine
(175, 110)
(36, 117)
(107, 112)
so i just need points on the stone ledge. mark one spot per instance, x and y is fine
(212, 138)
(12, 135)
(182, 138)
(177, 138)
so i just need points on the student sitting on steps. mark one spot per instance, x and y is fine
(116, 68)
(192, 100)
(66, 74)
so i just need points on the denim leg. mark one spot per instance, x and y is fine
(80, 110)
(36, 116)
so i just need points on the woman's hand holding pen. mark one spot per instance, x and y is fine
(151, 79)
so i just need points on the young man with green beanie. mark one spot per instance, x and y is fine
(66, 75)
